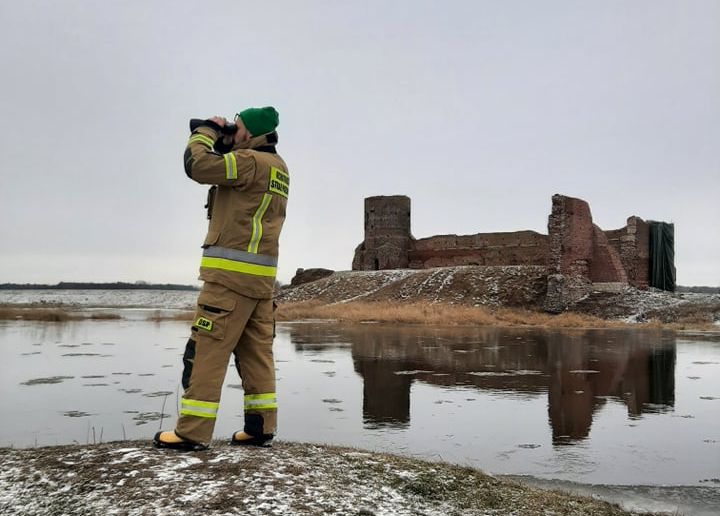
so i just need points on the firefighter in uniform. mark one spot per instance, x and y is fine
(246, 207)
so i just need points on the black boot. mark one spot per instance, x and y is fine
(176, 442)
(244, 439)
(252, 434)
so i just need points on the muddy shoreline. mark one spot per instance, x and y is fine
(131, 477)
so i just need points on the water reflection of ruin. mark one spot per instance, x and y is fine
(578, 370)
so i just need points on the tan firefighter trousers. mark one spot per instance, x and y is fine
(226, 322)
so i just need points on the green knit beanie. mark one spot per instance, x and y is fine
(260, 120)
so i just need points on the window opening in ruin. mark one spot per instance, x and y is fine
(377, 264)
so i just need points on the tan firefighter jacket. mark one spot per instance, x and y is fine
(246, 210)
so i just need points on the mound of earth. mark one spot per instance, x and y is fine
(636, 305)
(510, 286)
(521, 286)
(131, 478)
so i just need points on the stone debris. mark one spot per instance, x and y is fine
(511, 286)
(520, 286)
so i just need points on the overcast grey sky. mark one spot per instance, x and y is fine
(477, 110)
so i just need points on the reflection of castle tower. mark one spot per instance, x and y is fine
(571, 400)
(661, 367)
(387, 234)
(578, 370)
(386, 395)
(651, 380)
(641, 373)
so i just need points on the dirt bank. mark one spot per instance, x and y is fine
(131, 478)
(491, 286)
(508, 295)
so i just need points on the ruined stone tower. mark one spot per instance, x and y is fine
(387, 234)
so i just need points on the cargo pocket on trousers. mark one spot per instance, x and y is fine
(211, 315)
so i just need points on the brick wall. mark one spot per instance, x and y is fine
(570, 230)
(632, 243)
(387, 234)
(605, 265)
(517, 248)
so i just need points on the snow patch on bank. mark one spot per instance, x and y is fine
(470, 285)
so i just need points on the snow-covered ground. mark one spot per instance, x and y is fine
(469, 285)
(516, 286)
(131, 478)
(171, 299)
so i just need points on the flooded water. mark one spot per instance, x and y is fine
(610, 407)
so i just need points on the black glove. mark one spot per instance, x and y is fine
(197, 122)
(221, 147)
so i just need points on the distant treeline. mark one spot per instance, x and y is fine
(698, 290)
(118, 285)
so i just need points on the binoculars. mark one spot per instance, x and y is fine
(228, 129)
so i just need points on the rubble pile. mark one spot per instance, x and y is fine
(520, 286)
(510, 286)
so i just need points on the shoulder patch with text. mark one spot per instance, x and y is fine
(279, 182)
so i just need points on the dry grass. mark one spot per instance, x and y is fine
(438, 314)
(158, 316)
(681, 325)
(392, 312)
(52, 314)
(99, 316)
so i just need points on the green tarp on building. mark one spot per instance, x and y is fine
(662, 255)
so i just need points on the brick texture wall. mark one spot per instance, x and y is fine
(632, 243)
(387, 234)
(517, 248)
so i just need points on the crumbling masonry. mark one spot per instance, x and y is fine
(579, 256)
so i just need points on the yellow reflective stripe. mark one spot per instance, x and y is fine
(261, 401)
(261, 407)
(233, 266)
(230, 165)
(207, 409)
(266, 396)
(202, 404)
(257, 224)
(201, 138)
(188, 412)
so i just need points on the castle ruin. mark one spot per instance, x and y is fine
(579, 256)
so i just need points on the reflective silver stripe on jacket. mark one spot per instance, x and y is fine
(240, 256)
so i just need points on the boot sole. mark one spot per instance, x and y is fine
(180, 446)
(260, 443)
